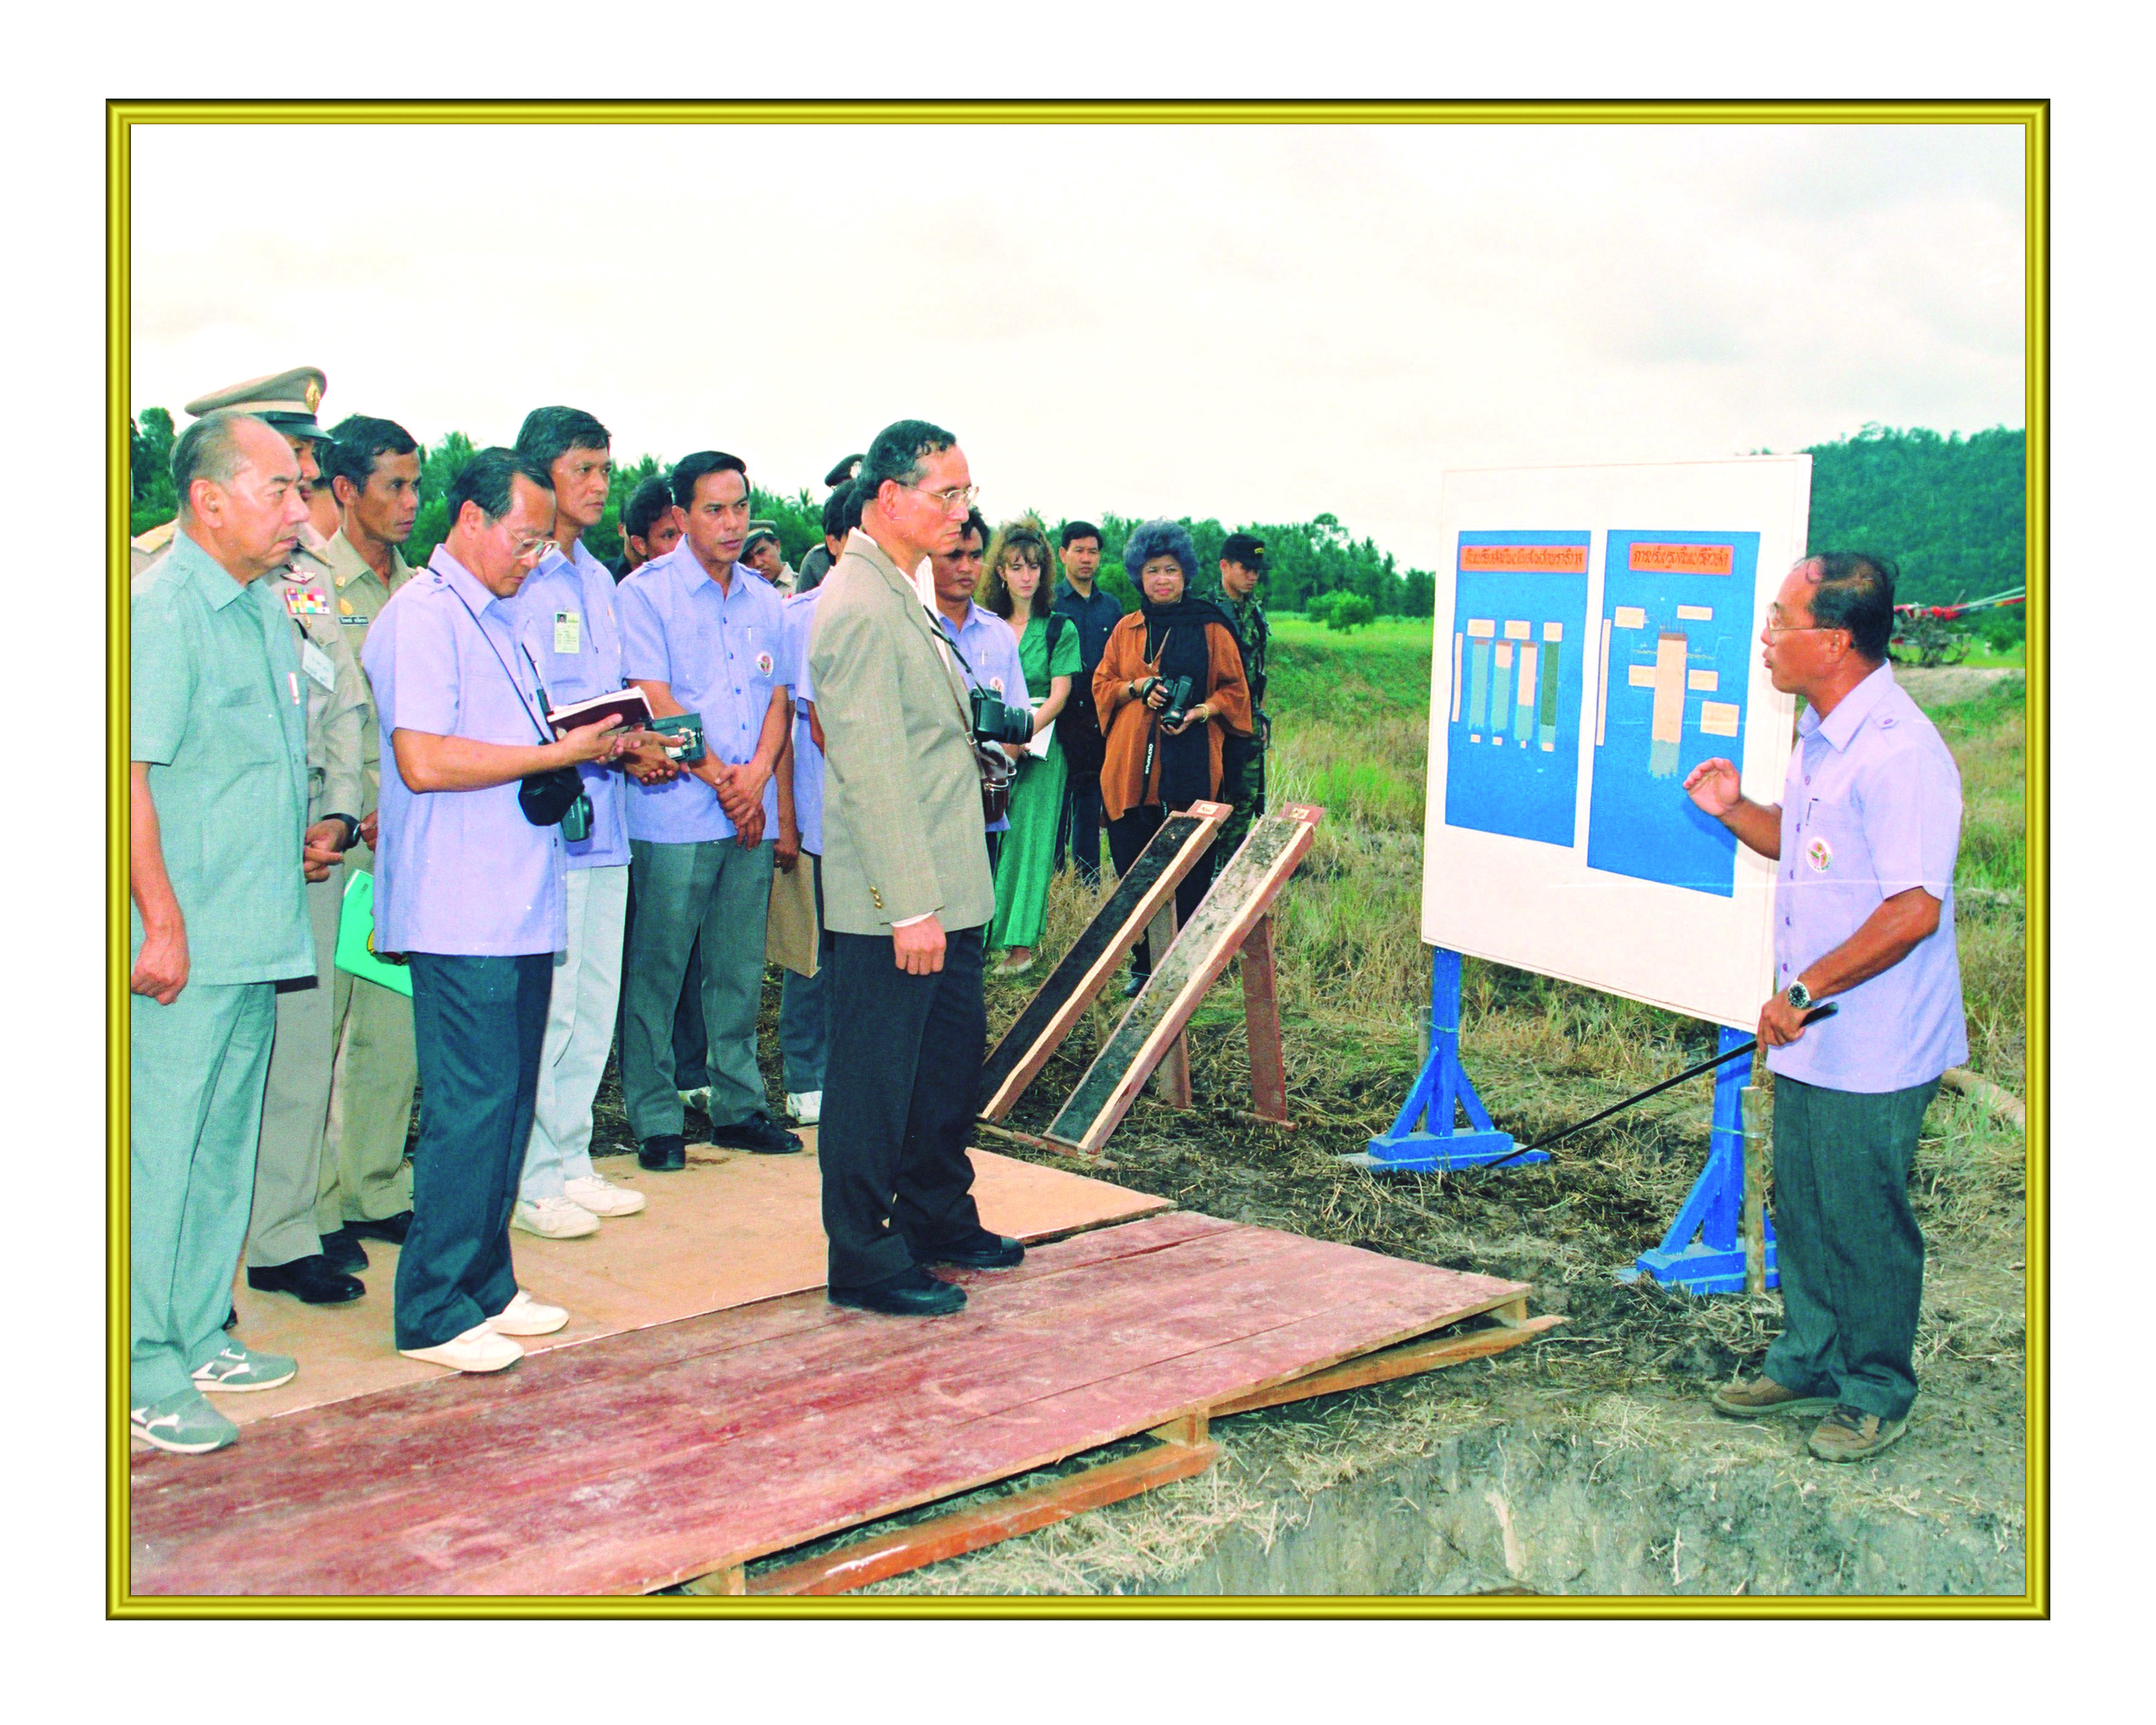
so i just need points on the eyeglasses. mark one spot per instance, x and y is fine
(531, 549)
(952, 498)
(1775, 626)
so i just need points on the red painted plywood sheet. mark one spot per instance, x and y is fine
(641, 1459)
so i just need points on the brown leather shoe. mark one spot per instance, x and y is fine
(1852, 1435)
(1763, 1395)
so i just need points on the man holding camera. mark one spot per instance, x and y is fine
(701, 634)
(469, 886)
(906, 893)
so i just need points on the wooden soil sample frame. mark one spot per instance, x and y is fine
(1146, 892)
(1233, 918)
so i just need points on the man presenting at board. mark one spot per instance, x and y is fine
(1864, 838)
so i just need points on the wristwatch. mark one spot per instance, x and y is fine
(350, 828)
(1799, 997)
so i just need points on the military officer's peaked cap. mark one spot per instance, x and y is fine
(287, 400)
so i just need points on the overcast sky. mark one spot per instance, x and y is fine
(1256, 323)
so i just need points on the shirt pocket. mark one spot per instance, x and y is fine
(242, 726)
(1830, 847)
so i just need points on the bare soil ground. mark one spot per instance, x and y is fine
(1586, 1461)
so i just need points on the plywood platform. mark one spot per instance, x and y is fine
(729, 1230)
(653, 1457)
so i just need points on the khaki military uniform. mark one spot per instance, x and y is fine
(1243, 759)
(295, 1198)
(376, 1069)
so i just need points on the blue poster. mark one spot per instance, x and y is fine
(1676, 628)
(1519, 615)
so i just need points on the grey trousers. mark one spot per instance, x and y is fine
(1851, 1256)
(716, 895)
(289, 1179)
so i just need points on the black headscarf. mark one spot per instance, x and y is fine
(1175, 633)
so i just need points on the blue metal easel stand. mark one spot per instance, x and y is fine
(1702, 1253)
(1422, 1140)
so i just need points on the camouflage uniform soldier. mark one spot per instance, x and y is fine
(1243, 759)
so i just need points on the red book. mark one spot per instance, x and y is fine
(629, 706)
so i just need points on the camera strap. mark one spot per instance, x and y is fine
(538, 681)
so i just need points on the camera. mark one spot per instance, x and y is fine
(995, 723)
(683, 734)
(1178, 697)
(577, 824)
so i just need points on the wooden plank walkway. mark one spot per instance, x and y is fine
(648, 1458)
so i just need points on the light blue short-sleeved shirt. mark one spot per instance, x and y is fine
(718, 650)
(988, 652)
(459, 871)
(569, 624)
(807, 758)
(1870, 807)
(217, 712)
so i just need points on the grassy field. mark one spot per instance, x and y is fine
(1621, 1384)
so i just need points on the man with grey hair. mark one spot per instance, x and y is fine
(907, 895)
(217, 809)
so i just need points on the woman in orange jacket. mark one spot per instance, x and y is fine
(1157, 763)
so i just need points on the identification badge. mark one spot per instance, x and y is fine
(569, 632)
(318, 665)
(305, 602)
(1819, 856)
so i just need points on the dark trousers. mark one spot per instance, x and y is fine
(480, 1025)
(1850, 1253)
(1078, 830)
(1128, 839)
(900, 1089)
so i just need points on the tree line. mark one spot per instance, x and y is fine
(1950, 509)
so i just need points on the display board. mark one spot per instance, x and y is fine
(1596, 637)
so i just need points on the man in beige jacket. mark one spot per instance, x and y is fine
(906, 895)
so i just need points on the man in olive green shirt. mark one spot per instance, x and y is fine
(217, 810)
(373, 467)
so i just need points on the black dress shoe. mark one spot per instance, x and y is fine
(912, 1293)
(760, 1133)
(310, 1278)
(983, 1250)
(392, 1229)
(231, 1317)
(343, 1250)
(663, 1154)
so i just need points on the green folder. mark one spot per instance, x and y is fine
(355, 942)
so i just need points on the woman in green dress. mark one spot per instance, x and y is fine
(1020, 585)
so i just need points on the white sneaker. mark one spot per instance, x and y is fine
(804, 1107)
(602, 1197)
(553, 1218)
(479, 1349)
(525, 1315)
